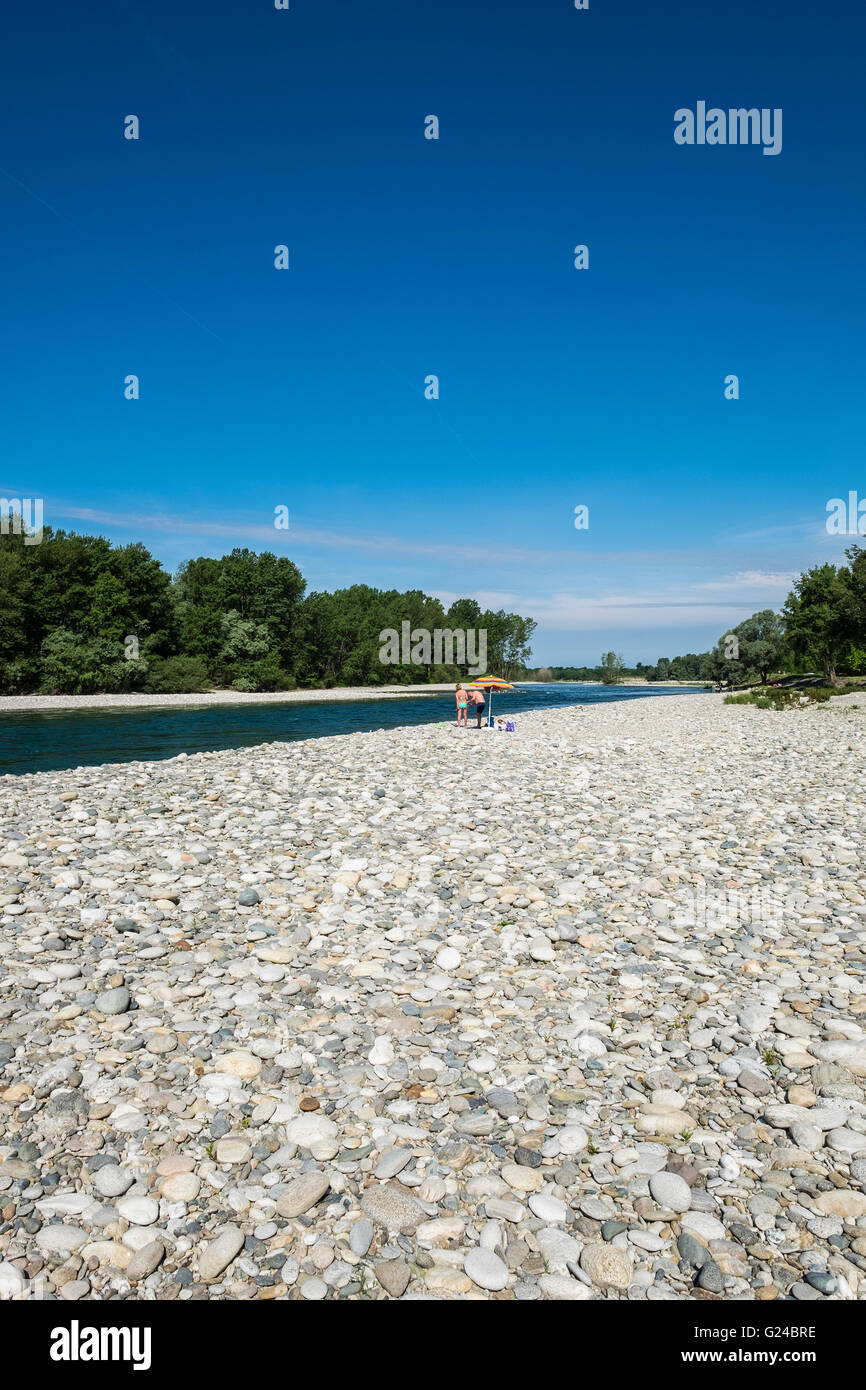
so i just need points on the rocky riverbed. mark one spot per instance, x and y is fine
(571, 1013)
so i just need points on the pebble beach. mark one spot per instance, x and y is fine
(573, 1013)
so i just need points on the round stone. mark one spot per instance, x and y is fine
(145, 1261)
(522, 1179)
(219, 1253)
(12, 1281)
(361, 1237)
(181, 1187)
(572, 1139)
(302, 1193)
(711, 1278)
(486, 1269)
(703, 1226)
(243, 1065)
(60, 1240)
(112, 1181)
(382, 1052)
(846, 1141)
(692, 1251)
(448, 958)
(482, 1063)
(312, 1131)
(138, 1211)
(233, 1149)
(670, 1191)
(607, 1266)
(314, 1290)
(547, 1208)
(113, 1001)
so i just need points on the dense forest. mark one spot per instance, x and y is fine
(80, 615)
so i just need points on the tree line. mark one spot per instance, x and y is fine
(79, 615)
(821, 628)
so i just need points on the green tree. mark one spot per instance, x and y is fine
(75, 665)
(819, 625)
(612, 668)
(761, 642)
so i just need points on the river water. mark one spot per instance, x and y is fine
(51, 740)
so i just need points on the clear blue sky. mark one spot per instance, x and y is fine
(306, 388)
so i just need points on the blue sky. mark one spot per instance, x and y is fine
(558, 387)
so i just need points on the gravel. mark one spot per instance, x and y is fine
(422, 1013)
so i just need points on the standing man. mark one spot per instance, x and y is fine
(480, 702)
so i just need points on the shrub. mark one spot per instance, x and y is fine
(265, 674)
(790, 697)
(18, 677)
(177, 675)
(74, 665)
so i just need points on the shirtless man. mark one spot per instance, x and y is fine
(480, 702)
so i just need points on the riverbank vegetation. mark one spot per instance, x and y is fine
(784, 697)
(79, 615)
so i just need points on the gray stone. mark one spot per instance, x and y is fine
(607, 1266)
(392, 1162)
(145, 1261)
(219, 1253)
(711, 1278)
(387, 1206)
(612, 1228)
(394, 1276)
(314, 1290)
(113, 1001)
(112, 1181)
(691, 1251)
(753, 1082)
(806, 1136)
(805, 1293)
(504, 1102)
(60, 1240)
(361, 1237)
(302, 1193)
(670, 1191)
(486, 1269)
(824, 1283)
(846, 1141)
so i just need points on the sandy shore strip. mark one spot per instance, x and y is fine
(10, 704)
(573, 1013)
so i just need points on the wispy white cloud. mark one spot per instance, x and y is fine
(678, 592)
(563, 612)
(748, 581)
(235, 532)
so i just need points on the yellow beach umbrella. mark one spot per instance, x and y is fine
(490, 683)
